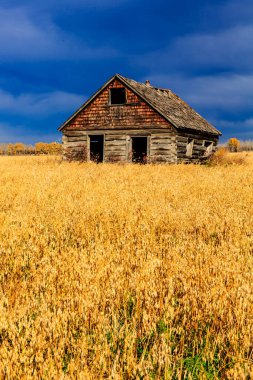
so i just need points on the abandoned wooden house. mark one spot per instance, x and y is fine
(127, 121)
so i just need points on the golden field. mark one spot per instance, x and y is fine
(125, 271)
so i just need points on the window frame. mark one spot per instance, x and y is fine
(110, 96)
(208, 148)
(189, 147)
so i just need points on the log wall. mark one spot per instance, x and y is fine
(161, 145)
(118, 123)
(199, 149)
(75, 146)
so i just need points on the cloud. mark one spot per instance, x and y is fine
(27, 36)
(248, 123)
(229, 49)
(221, 49)
(235, 12)
(231, 93)
(39, 104)
(10, 133)
(242, 129)
(224, 100)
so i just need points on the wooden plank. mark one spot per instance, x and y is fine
(160, 153)
(180, 145)
(158, 138)
(161, 146)
(115, 154)
(114, 151)
(115, 143)
(74, 144)
(115, 146)
(116, 137)
(74, 139)
(74, 149)
(145, 131)
(114, 158)
(162, 141)
(164, 145)
(182, 140)
(197, 136)
(74, 133)
(198, 142)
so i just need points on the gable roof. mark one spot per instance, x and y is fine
(165, 102)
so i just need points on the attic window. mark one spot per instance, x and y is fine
(118, 95)
(189, 148)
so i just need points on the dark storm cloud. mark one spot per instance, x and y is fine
(54, 54)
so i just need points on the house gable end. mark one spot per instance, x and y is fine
(99, 114)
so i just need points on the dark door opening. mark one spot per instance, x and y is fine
(96, 148)
(139, 149)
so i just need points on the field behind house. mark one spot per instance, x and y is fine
(125, 271)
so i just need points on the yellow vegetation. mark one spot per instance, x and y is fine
(48, 148)
(125, 271)
(233, 144)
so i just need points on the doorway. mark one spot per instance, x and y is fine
(139, 149)
(96, 148)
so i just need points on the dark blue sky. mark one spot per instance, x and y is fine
(55, 54)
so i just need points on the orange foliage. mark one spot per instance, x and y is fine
(233, 144)
(51, 148)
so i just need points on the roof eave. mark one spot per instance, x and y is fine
(216, 132)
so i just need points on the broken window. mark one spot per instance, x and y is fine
(208, 148)
(189, 148)
(118, 95)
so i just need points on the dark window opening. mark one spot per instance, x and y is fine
(208, 148)
(139, 149)
(207, 143)
(96, 148)
(118, 95)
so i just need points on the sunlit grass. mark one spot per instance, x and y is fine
(125, 271)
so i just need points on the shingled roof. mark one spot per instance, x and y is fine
(171, 106)
(165, 102)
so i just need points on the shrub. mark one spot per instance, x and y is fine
(233, 144)
(45, 148)
(223, 157)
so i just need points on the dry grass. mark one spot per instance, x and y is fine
(223, 157)
(125, 272)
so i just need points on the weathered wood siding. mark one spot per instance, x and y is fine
(118, 123)
(163, 147)
(199, 149)
(135, 113)
(115, 147)
(75, 145)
